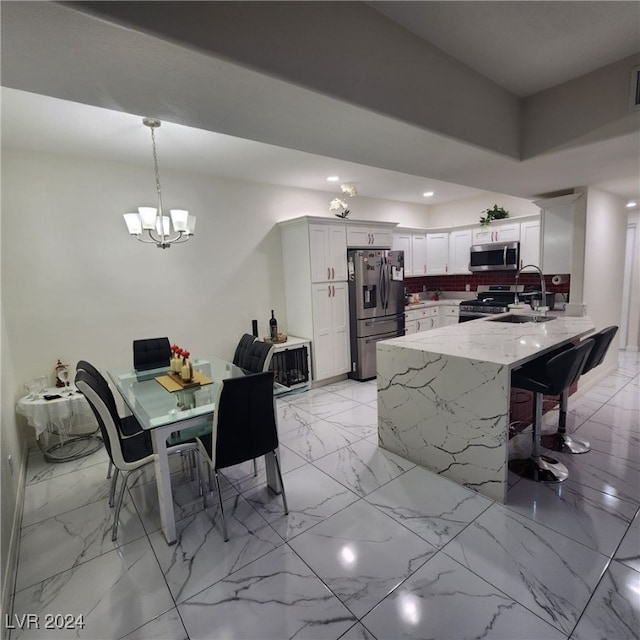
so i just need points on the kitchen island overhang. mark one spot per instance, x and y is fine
(444, 394)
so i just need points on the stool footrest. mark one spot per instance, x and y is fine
(564, 443)
(540, 469)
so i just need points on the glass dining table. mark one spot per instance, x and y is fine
(173, 417)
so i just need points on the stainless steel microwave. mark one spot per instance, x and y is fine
(499, 256)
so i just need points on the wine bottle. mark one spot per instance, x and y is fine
(273, 327)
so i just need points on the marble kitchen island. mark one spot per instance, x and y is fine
(444, 394)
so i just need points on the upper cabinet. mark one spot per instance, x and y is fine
(402, 242)
(496, 233)
(563, 225)
(459, 245)
(418, 254)
(530, 244)
(370, 236)
(328, 252)
(437, 254)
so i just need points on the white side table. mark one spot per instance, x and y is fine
(56, 424)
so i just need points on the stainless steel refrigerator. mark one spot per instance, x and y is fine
(376, 304)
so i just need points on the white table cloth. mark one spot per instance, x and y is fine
(67, 416)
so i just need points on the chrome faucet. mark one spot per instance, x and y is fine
(543, 308)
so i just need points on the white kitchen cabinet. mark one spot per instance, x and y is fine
(369, 236)
(402, 242)
(328, 251)
(422, 319)
(331, 329)
(496, 233)
(530, 244)
(437, 254)
(419, 254)
(459, 247)
(449, 314)
(318, 310)
(410, 325)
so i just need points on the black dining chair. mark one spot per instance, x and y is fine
(244, 427)
(259, 357)
(128, 453)
(128, 445)
(242, 350)
(151, 353)
(130, 425)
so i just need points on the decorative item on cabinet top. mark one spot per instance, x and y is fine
(339, 203)
(495, 213)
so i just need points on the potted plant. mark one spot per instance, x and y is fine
(495, 213)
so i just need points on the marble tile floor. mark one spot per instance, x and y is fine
(374, 547)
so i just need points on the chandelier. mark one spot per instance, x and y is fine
(150, 225)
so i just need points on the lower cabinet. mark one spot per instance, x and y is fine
(449, 314)
(331, 349)
(410, 326)
(423, 319)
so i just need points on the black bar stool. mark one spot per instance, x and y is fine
(547, 375)
(561, 440)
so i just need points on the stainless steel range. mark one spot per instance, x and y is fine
(491, 299)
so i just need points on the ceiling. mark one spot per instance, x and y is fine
(525, 47)
(61, 94)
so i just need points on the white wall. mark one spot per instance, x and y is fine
(77, 286)
(469, 210)
(605, 240)
(633, 337)
(11, 478)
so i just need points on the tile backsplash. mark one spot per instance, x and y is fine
(459, 282)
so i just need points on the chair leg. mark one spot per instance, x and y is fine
(284, 497)
(114, 481)
(538, 467)
(192, 463)
(561, 440)
(224, 524)
(203, 490)
(109, 470)
(116, 514)
(255, 468)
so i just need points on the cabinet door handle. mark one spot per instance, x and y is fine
(333, 274)
(446, 267)
(328, 273)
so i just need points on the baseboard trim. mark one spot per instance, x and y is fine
(9, 579)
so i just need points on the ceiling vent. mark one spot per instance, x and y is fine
(634, 96)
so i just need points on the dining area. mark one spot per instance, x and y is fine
(206, 409)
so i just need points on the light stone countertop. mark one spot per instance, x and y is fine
(501, 343)
(435, 303)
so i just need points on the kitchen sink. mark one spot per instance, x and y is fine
(517, 319)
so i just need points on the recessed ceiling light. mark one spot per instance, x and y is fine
(333, 178)
(631, 204)
(427, 194)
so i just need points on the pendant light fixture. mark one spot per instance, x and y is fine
(150, 225)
